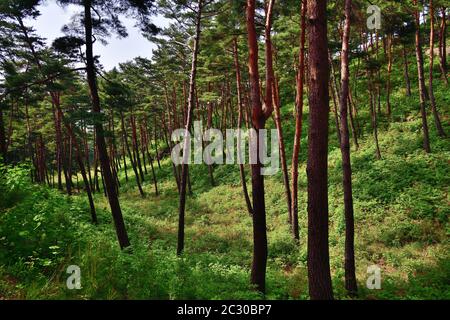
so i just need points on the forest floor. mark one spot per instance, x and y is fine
(401, 214)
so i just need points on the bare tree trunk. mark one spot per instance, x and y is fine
(422, 90)
(136, 147)
(124, 157)
(156, 143)
(87, 158)
(406, 71)
(284, 168)
(258, 273)
(169, 140)
(350, 277)
(273, 102)
(298, 124)
(184, 166)
(353, 114)
(2, 136)
(373, 115)
(209, 125)
(389, 70)
(66, 169)
(150, 159)
(101, 145)
(335, 112)
(241, 165)
(443, 46)
(437, 120)
(319, 275)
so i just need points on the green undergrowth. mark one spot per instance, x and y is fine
(401, 216)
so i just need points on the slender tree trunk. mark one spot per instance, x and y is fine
(298, 123)
(9, 141)
(87, 158)
(150, 159)
(389, 70)
(184, 166)
(422, 90)
(335, 111)
(124, 157)
(378, 84)
(437, 120)
(273, 101)
(137, 161)
(284, 168)
(169, 140)
(156, 143)
(350, 276)
(2, 136)
(373, 115)
(133, 163)
(112, 156)
(69, 163)
(96, 179)
(317, 169)
(259, 117)
(239, 98)
(59, 156)
(335, 96)
(209, 122)
(66, 168)
(406, 71)
(101, 145)
(443, 46)
(353, 121)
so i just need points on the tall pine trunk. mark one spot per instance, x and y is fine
(258, 272)
(421, 81)
(389, 70)
(100, 139)
(298, 124)
(273, 102)
(239, 100)
(443, 46)
(319, 275)
(2, 135)
(189, 115)
(349, 266)
(437, 120)
(406, 71)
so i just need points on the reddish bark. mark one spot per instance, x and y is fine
(437, 120)
(239, 125)
(298, 122)
(443, 45)
(350, 277)
(317, 168)
(422, 89)
(258, 272)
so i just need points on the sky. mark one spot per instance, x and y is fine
(48, 25)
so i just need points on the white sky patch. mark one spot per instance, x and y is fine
(53, 17)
